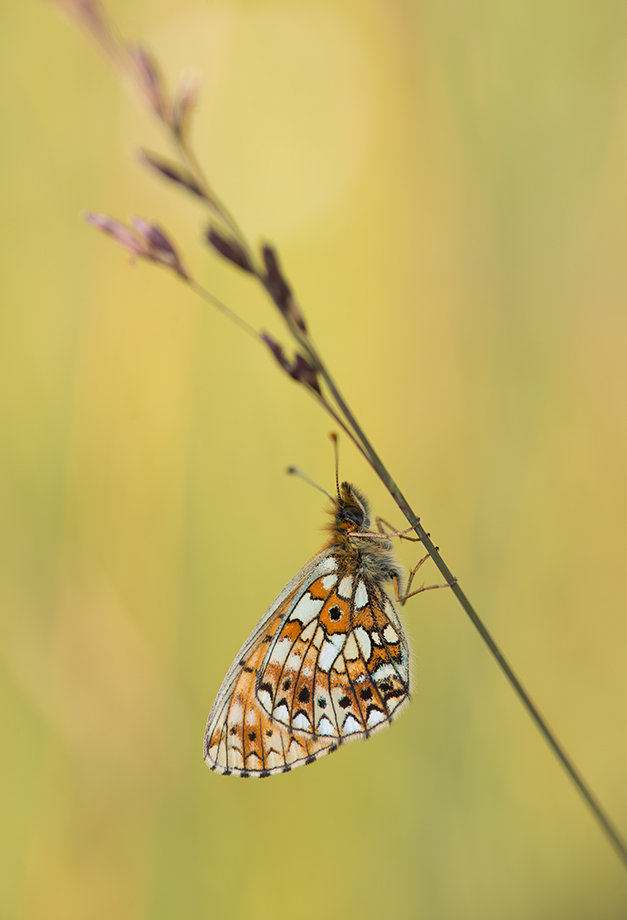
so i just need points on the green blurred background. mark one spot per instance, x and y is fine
(447, 185)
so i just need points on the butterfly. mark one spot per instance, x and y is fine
(327, 663)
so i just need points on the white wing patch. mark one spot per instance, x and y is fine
(351, 725)
(390, 635)
(302, 722)
(375, 717)
(351, 652)
(328, 564)
(363, 641)
(361, 596)
(308, 632)
(306, 609)
(345, 588)
(325, 727)
(328, 654)
(282, 713)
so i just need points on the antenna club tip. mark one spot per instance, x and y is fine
(291, 470)
(333, 436)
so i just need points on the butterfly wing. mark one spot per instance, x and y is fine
(337, 667)
(327, 663)
(241, 737)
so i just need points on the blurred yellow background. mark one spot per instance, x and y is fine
(447, 187)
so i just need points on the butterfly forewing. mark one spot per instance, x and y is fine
(241, 738)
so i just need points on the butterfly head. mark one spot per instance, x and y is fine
(354, 545)
(351, 510)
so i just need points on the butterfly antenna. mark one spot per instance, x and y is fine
(336, 454)
(294, 471)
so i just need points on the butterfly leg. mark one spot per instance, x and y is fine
(408, 592)
(402, 534)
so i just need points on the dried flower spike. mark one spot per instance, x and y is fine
(120, 233)
(299, 369)
(91, 15)
(161, 249)
(229, 248)
(151, 81)
(185, 103)
(171, 171)
(279, 289)
(145, 241)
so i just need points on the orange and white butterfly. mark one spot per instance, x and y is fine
(327, 663)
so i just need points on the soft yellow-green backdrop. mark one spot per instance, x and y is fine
(447, 185)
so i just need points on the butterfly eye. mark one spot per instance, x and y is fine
(353, 514)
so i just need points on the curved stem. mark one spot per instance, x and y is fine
(606, 825)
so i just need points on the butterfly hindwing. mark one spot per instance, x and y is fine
(338, 666)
